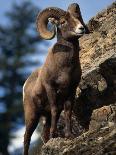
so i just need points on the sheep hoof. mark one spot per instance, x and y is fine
(69, 135)
(53, 135)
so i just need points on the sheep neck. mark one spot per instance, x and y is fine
(73, 43)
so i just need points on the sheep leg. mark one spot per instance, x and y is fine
(31, 119)
(51, 94)
(68, 113)
(46, 133)
(53, 128)
(46, 129)
(53, 133)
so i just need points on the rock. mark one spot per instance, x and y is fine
(100, 139)
(103, 117)
(94, 112)
(98, 61)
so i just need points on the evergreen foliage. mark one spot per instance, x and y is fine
(17, 46)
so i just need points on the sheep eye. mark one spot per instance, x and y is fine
(63, 22)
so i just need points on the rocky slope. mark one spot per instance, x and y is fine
(94, 114)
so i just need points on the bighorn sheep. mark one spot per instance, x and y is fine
(52, 88)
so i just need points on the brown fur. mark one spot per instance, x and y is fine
(51, 89)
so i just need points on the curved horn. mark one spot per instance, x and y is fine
(42, 21)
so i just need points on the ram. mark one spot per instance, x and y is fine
(51, 88)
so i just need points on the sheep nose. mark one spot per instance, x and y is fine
(82, 28)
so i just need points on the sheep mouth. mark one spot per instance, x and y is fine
(79, 33)
(73, 34)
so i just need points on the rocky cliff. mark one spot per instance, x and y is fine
(94, 114)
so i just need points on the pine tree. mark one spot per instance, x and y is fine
(18, 44)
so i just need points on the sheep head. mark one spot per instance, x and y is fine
(70, 22)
